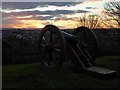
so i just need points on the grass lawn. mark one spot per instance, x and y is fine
(34, 76)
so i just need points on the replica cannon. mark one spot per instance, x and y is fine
(81, 46)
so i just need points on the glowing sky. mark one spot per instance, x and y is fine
(38, 14)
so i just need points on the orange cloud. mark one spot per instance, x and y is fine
(65, 24)
(25, 24)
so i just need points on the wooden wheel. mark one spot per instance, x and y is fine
(87, 42)
(51, 47)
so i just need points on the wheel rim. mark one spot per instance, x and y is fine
(51, 47)
(87, 42)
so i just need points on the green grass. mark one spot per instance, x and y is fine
(34, 76)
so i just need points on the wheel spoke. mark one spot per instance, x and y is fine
(44, 40)
(50, 58)
(57, 49)
(50, 37)
(53, 43)
(45, 61)
(47, 40)
(84, 50)
(43, 45)
(43, 56)
(88, 54)
(54, 58)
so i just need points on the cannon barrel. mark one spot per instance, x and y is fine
(69, 37)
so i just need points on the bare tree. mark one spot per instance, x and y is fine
(112, 9)
(91, 21)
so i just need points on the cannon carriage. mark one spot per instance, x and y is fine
(81, 46)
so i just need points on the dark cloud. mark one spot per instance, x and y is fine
(59, 3)
(97, 0)
(19, 5)
(44, 18)
(35, 14)
(82, 11)
(29, 5)
(10, 21)
(91, 7)
(63, 18)
(56, 12)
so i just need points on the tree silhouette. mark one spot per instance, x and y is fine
(112, 9)
(91, 21)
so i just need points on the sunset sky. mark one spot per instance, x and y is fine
(39, 14)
